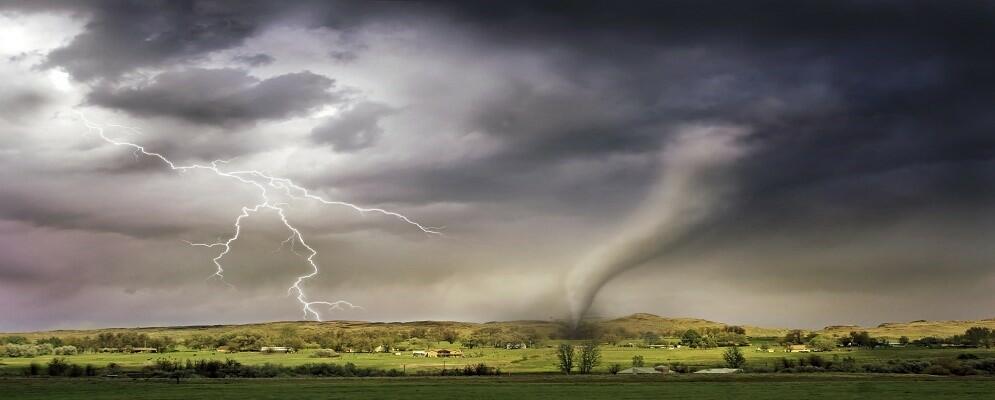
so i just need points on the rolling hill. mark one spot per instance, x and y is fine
(635, 323)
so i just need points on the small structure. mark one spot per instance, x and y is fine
(639, 371)
(276, 349)
(797, 348)
(456, 353)
(144, 350)
(719, 371)
(383, 349)
(225, 349)
(419, 353)
(109, 350)
(442, 353)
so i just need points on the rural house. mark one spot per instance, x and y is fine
(797, 348)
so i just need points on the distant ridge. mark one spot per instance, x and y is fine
(635, 323)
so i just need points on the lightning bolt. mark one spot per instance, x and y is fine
(264, 183)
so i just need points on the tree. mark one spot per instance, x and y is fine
(450, 335)
(904, 340)
(691, 338)
(734, 357)
(739, 330)
(978, 336)
(637, 361)
(590, 357)
(794, 336)
(822, 343)
(861, 339)
(565, 356)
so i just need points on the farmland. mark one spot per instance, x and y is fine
(539, 360)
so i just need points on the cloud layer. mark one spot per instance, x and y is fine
(530, 130)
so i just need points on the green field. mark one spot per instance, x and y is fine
(821, 386)
(511, 361)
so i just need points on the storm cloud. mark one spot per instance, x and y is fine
(219, 96)
(531, 130)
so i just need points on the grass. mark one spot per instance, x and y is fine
(822, 386)
(538, 360)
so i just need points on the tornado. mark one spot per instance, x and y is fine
(692, 185)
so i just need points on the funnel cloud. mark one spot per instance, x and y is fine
(692, 185)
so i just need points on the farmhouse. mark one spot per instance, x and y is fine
(639, 371)
(276, 349)
(797, 348)
(144, 350)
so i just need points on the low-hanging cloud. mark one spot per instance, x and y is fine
(219, 96)
(690, 188)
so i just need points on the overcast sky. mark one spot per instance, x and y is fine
(532, 133)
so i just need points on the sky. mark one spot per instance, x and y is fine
(776, 163)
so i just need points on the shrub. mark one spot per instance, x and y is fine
(734, 357)
(936, 370)
(65, 351)
(33, 369)
(75, 370)
(614, 368)
(681, 368)
(25, 350)
(590, 357)
(565, 357)
(58, 366)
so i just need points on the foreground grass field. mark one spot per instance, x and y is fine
(510, 361)
(823, 386)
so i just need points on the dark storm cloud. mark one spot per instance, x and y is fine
(355, 129)
(870, 137)
(831, 88)
(219, 96)
(123, 35)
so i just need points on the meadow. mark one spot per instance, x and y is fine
(538, 360)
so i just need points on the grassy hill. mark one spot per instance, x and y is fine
(914, 329)
(640, 322)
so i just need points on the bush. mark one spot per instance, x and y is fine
(75, 370)
(58, 366)
(734, 357)
(33, 369)
(936, 370)
(614, 368)
(65, 351)
(25, 350)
